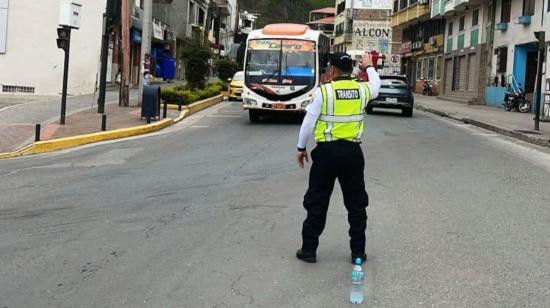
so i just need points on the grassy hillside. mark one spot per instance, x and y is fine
(274, 11)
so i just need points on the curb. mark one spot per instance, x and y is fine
(74, 141)
(496, 129)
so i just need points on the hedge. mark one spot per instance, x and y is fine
(173, 95)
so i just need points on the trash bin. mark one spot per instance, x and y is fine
(150, 104)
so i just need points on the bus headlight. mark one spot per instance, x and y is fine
(249, 101)
(305, 103)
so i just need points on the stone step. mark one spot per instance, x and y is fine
(457, 99)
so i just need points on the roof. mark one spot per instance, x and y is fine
(326, 10)
(323, 21)
(285, 29)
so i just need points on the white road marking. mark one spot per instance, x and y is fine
(200, 126)
(223, 116)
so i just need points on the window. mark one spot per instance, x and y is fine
(3, 25)
(411, 2)
(192, 10)
(528, 7)
(341, 7)
(201, 17)
(424, 67)
(502, 58)
(505, 10)
(402, 4)
(548, 6)
(396, 5)
(461, 24)
(431, 68)
(475, 18)
(450, 29)
(418, 69)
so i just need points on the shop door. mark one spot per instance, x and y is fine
(531, 71)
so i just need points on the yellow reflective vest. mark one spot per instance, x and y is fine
(343, 111)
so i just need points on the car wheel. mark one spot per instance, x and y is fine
(407, 112)
(254, 115)
(369, 109)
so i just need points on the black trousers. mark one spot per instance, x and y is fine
(344, 161)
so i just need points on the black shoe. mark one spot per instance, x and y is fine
(354, 257)
(306, 257)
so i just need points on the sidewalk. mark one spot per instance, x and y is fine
(17, 122)
(513, 124)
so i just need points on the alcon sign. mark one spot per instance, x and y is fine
(372, 32)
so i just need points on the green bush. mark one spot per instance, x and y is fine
(226, 69)
(196, 58)
(173, 95)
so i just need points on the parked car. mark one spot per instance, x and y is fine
(236, 86)
(395, 93)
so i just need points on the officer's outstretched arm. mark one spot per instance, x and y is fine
(313, 111)
(374, 82)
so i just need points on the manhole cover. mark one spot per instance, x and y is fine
(528, 132)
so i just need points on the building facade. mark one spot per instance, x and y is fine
(323, 20)
(30, 61)
(515, 52)
(421, 49)
(468, 48)
(365, 26)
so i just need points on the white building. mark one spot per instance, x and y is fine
(30, 61)
(515, 47)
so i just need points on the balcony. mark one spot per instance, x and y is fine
(453, 6)
(524, 20)
(502, 26)
(223, 6)
(414, 12)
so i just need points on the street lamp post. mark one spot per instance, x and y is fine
(64, 42)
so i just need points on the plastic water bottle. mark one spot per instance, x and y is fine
(357, 293)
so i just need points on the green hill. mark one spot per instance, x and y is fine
(275, 11)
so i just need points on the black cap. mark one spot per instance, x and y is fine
(342, 61)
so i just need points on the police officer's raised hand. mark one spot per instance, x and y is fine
(367, 59)
(300, 157)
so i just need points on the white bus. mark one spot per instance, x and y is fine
(284, 63)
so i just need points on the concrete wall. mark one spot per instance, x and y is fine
(174, 14)
(32, 57)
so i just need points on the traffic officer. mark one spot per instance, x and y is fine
(335, 117)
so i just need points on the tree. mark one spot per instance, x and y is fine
(196, 57)
(226, 69)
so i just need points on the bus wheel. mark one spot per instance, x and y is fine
(254, 115)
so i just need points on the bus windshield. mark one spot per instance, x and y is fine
(280, 62)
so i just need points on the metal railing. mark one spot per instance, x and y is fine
(513, 84)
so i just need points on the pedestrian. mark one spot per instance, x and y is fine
(335, 118)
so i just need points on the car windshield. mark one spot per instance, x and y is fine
(239, 76)
(393, 82)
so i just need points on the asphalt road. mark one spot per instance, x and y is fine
(208, 214)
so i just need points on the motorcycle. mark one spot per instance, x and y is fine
(516, 100)
(427, 88)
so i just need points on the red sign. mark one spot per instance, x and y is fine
(405, 47)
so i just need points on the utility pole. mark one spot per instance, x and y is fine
(540, 35)
(125, 35)
(112, 13)
(145, 44)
